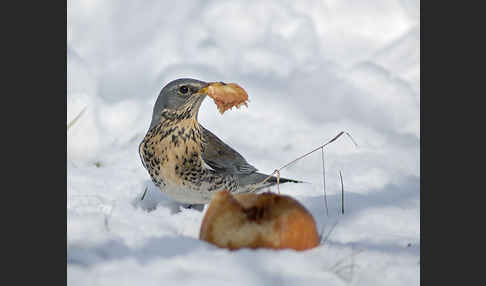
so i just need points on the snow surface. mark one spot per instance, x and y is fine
(312, 68)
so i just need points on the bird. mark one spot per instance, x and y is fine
(187, 161)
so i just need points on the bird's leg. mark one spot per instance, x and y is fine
(199, 207)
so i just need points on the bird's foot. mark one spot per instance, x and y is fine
(199, 207)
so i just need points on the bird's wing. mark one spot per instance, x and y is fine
(222, 158)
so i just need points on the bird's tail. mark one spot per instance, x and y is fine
(253, 182)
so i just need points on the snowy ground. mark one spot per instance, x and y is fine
(311, 68)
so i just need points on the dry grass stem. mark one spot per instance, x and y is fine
(277, 171)
(342, 192)
(76, 118)
(324, 182)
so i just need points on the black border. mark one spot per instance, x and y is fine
(450, 205)
(34, 42)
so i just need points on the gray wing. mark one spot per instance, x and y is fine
(222, 158)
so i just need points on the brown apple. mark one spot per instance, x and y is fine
(265, 220)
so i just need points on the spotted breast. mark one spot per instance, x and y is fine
(171, 152)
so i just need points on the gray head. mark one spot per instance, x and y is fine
(178, 95)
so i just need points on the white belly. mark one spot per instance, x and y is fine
(188, 196)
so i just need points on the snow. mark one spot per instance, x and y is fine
(312, 69)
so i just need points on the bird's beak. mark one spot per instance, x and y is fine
(203, 91)
(198, 97)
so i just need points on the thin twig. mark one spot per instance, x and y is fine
(350, 137)
(106, 223)
(144, 193)
(322, 146)
(76, 118)
(342, 192)
(306, 154)
(324, 182)
(326, 237)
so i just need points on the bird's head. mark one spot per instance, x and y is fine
(180, 97)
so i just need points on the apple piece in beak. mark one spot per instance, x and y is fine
(226, 95)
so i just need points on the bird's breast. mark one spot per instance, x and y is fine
(172, 152)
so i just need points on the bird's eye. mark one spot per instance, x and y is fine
(183, 89)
